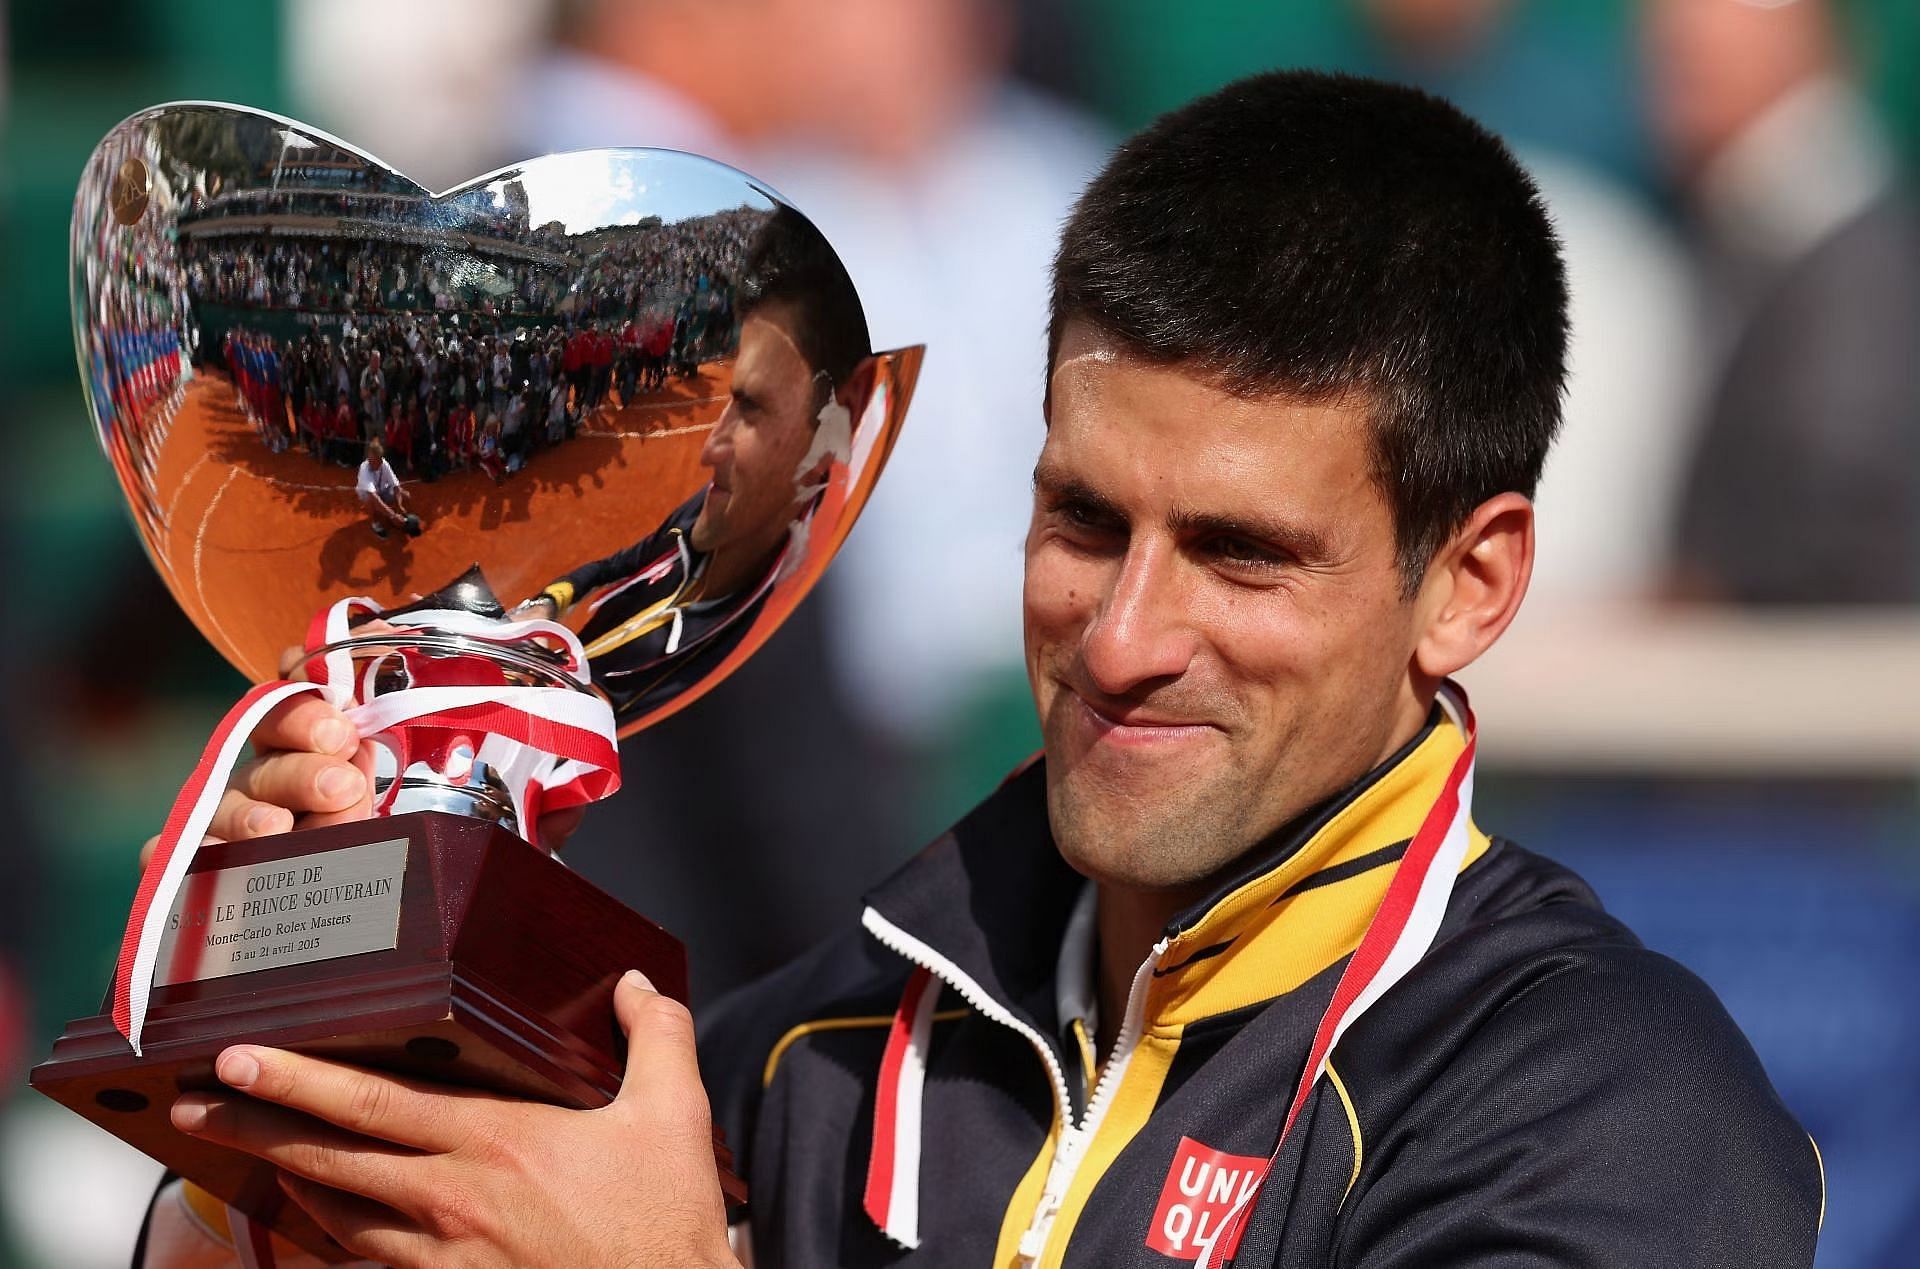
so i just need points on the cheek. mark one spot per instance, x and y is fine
(756, 471)
(1357, 654)
(1058, 598)
(1283, 648)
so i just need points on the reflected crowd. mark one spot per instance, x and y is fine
(455, 359)
(444, 397)
(349, 265)
(133, 353)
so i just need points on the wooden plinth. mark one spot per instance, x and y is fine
(502, 978)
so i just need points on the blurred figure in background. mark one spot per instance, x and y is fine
(1805, 483)
(1608, 495)
(893, 126)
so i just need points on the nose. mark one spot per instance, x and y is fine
(719, 441)
(1141, 631)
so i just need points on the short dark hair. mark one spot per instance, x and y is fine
(1324, 235)
(790, 262)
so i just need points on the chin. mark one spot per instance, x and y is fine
(1110, 841)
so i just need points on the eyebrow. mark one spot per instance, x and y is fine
(1057, 486)
(1304, 544)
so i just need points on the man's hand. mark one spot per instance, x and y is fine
(407, 1174)
(539, 608)
(310, 768)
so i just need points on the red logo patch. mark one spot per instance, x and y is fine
(1202, 1186)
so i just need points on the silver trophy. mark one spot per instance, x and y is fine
(516, 468)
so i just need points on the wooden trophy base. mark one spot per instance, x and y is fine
(498, 973)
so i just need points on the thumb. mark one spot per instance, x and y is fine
(661, 1061)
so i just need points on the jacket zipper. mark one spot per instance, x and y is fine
(1071, 1149)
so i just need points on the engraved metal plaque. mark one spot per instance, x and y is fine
(285, 912)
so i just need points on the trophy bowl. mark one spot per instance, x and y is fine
(521, 467)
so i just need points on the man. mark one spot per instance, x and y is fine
(514, 441)
(373, 395)
(500, 375)
(1803, 480)
(343, 437)
(1306, 355)
(674, 603)
(381, 495)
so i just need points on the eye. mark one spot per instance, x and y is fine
(1085, 519)
(1244, 553)
(1078, 514)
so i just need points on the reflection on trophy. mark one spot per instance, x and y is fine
(629, 391)
(687, 592)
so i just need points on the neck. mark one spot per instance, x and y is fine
(1129, 922)
(735, 568)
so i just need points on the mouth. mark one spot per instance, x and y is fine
(1131, 726)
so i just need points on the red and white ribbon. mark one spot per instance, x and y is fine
(551, 747)
(1401, 931)
(892, 1195)
(192, 813)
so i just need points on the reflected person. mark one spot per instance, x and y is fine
(382, 496)
(671, 605)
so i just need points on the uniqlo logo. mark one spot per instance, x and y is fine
(1203, 1185)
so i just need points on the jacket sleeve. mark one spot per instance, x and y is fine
(186, 1228)
(601, 572)
(570, 588)
(1611, 1115)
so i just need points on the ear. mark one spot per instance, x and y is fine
(1474, 586)
(858, 388)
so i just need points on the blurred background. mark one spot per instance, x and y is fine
(1710, 707)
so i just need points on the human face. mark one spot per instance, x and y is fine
(1713, 67)
(1216, 632)
(756, 448)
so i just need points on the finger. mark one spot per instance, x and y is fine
(148, 847)
(239, 817)
(557, 826)
(305, 722)
(293, 664)
(373, 1231)
(369, 1104)
(661, 1062)
(293, 660)
(401, 1179)
(303, 782)
(362, 807)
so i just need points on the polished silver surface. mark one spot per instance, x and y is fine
(519, 664)
(632, 380)
(290, 911)
(481, 796)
